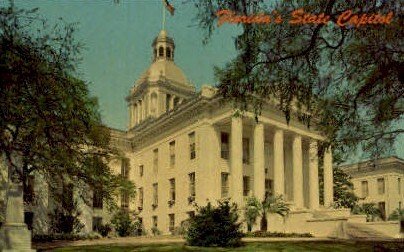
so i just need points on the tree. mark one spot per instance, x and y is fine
(49, 124)
(347, 80)
(252, 211)
(274, 205)
(397, 215)
(370, 209)
(215, 226)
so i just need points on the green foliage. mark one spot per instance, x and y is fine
(347, 81)
(276, 205)
(155, 231)
(123, 223)
(370, 209)
(104, 230)
(215, 226)
(64, 237)
(277, 234)
(49, 123)
(252, 211)
(397, 214)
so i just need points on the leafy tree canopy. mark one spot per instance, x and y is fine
(49, 123)
(348, 80)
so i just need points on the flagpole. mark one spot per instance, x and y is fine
(164, 18)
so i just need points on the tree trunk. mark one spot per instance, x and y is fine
(264, 222)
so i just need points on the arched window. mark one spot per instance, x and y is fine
(155, 53)
(153, 104)
(168, 53)
(161, 52)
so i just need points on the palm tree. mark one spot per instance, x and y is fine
(273, 204)
(253, 209)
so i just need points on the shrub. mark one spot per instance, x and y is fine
(398, 214)
(123, 223)
(215, 226)
(64, 237)
(104, 230)
(155, 231)
(277, 234)
(370, 209)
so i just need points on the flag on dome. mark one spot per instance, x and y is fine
(169, 7)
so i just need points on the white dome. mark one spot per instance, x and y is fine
(164, 68)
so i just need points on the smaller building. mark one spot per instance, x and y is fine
(379, 182)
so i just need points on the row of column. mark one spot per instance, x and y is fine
(138, 111)
(279, 167)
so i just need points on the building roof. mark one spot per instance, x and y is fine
(367, 166)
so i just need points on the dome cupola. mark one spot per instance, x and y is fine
(163, 47)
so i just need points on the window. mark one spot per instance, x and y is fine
(141, 170)
(246, 151)
(154, 221)
(399, 185)
(155, 194)
(125, 168)
(161, 51)
(155, 160)
(168, 53)
(382, 209)
(97, 199)
(172, 154)
(192, 151)
(225, 185)
(365, 189)
(172, 222)
(380, 185)
(192, 184)
(224, 150)
(141, 196)
(97, 223)
(268, 188)
(29, 194)
(124, 200)
(155, 53)
(246, 186)
(168, 100)
(176, 102)
(172, 189)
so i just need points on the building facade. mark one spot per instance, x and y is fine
(379, 182)
(189, 147)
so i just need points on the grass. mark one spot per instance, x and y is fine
(249, 247)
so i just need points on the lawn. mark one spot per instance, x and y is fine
(254, 246)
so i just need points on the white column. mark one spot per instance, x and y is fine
(297, 171)
(279, 166)
(138, 112)
(236, 160)
(313, 175)
(130, 113)
(135, 113)
(328, 178)
(259, 157)
(172, 102)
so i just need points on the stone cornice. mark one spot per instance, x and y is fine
(146, 133)
(163, 82)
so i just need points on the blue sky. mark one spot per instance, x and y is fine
(118, 46)
(118, 41)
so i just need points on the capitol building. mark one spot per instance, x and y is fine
(185, 147)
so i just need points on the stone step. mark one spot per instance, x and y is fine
(361, 231)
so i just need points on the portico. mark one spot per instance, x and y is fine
(284, 155)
